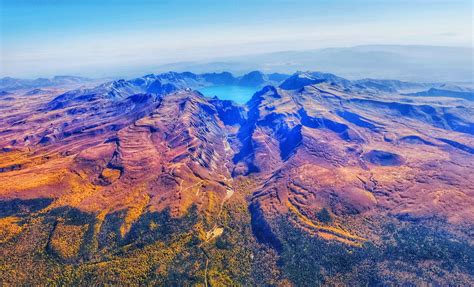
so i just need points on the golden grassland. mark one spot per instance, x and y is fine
(9, 228)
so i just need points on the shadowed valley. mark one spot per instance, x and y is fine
(315, 179)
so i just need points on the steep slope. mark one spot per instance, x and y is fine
(316, 134)
(165, 146)
(148, 182)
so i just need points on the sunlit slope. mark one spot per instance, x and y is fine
(148, 182)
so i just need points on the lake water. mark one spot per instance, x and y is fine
(238, 94)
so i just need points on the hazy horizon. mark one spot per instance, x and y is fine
(111, 38)
(443, 64)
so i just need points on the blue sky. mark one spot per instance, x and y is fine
(47, 37)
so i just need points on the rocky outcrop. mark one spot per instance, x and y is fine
(253, 79)
(148, 168)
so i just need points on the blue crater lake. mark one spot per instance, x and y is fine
(238, 94)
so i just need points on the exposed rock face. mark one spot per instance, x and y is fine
(301, 79)
(253, 79)
(126, 164)
(224, 78)
(323, 148)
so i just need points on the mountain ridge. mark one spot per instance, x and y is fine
(403, 62)
(206, 189)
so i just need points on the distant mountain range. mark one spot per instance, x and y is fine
(401, 62)
(8, 83)
(446, 91)
(172, 81)
(301, 79)
(188, 79)
(407, 63)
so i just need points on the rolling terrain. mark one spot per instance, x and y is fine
(316, 180)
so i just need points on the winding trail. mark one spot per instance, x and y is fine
(217, 231)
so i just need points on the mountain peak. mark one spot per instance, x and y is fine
(105, 176)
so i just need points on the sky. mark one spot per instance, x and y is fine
(97, 38)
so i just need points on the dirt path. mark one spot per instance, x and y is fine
(217, 231)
